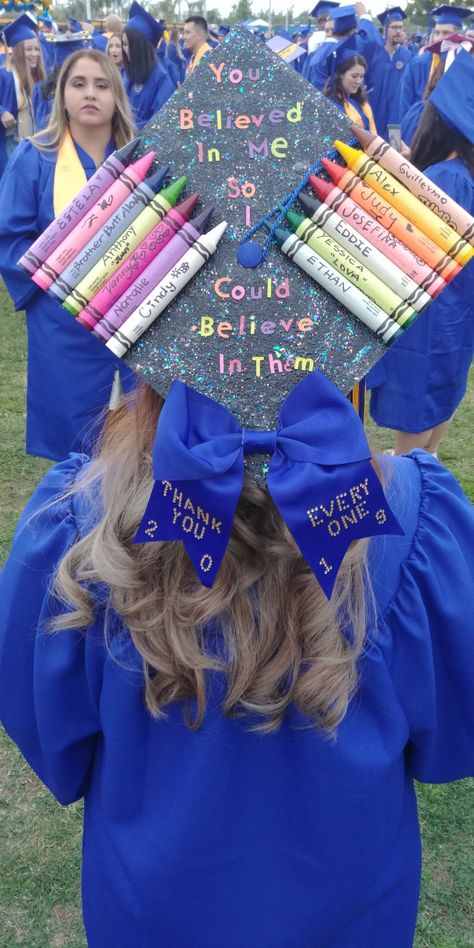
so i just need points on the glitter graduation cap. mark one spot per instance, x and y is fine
(246, 130)
(258, 348)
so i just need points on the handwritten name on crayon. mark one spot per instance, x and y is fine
(191, 518)
(329, 275)
(77, 206)
(146, 310)
(344, 510)
(122, 241)
(135, 290)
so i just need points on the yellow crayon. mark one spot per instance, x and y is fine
(354, 271)
(125, 244)
(400, 198)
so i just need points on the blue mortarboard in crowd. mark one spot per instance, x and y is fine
(74, 25)
(21, 29)
(394, 14)
(451, 15)
(62, 46)
(323, 7)
(223, 30)
(453, 99)
(142, 21)
(344, 19)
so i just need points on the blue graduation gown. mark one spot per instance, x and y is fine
(223, 837)
(386, 75)
(368, 43)
(8, 103)
(423, 377)
(175, 63)
(411, 120)
(151, 96)
(69, 373)
(415, 77)
(315, 69)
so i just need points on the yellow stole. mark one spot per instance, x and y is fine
(69, 175)
(434, 63)
(355, 117)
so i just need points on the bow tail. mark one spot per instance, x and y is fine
(199, 513)
(326, 508)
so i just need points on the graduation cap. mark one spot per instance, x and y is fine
(450, 15)
(21, 29)
(255, 352)
(62, 46)
(345, 49)
(394, 14)
(324, 7)
(74, 25)
(344, 19)
(139, 19)
(223, 29)
(451, 44)
(449, 97)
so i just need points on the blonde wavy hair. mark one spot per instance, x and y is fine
(281, 640)
(123, 128)
(26, 77)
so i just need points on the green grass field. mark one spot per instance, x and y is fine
(41, 841)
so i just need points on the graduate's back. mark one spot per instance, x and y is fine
(246, 752)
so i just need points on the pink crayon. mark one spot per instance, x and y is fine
(92, 222)
(152, 245)
(151, 276)
(97, 185)
(405, 259)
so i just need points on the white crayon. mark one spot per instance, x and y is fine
(346, 293)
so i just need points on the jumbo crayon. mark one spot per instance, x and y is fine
(97, 185)
(120, 251)
(387, 186)
(365, 252)
(126, 305)
(345, 292)
(393, 220)
(150, 247)
(119, 226)
(166, 291)
(92, 222)
(332, 252)
(417, 183)
(337, 201)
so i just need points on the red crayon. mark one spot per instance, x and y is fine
(393, 220)
(370, 228)
(131, 269)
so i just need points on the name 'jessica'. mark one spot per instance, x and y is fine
(343, 511)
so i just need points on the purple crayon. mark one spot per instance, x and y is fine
(151, 276)
(97, 185)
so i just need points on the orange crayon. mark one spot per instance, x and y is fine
(392, 220)
(429, 193)
(417, 213)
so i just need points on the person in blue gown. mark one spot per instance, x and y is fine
(176, 61)
(448, 20)
(69, 375)
(147, 82)
(210, 833)
(386, 71)
(345, 87)
(420, 382)
(17, 85)
(346, 23)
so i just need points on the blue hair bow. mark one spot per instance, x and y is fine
(320, 477)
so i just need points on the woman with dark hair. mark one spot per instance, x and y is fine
(147, 83)
(422, 379)
(345, 85)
